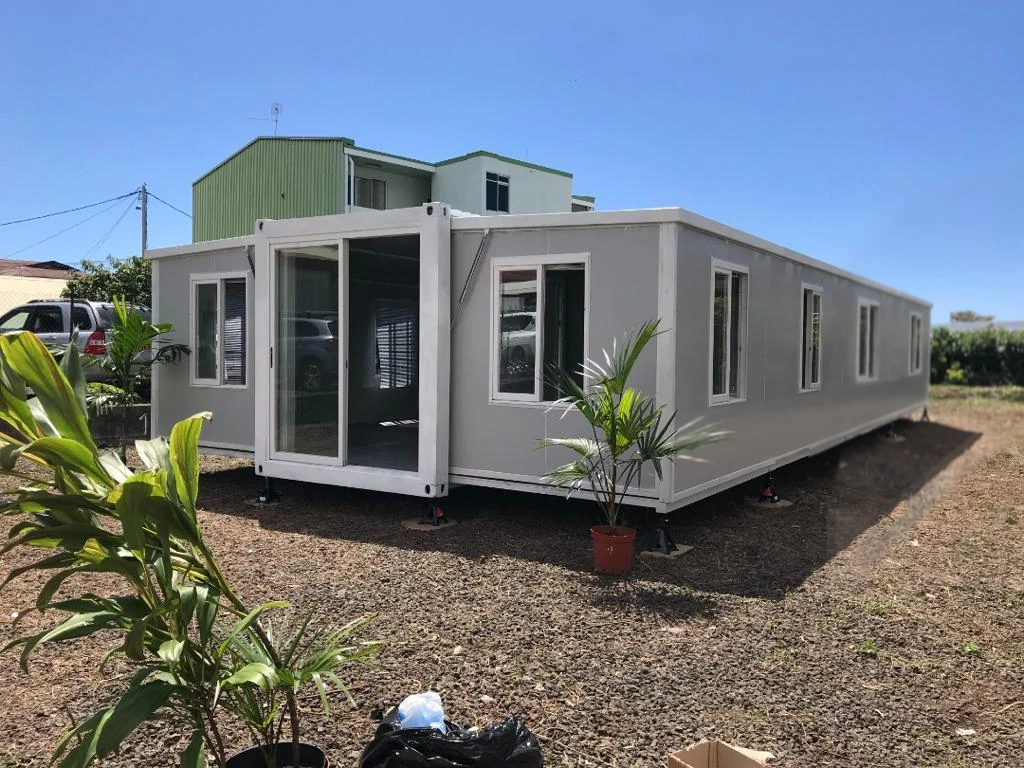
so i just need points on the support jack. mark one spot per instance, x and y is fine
(268, 495)
(769, 497)
(924, 415)
(434, 515)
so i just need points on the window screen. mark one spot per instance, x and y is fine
(397, 331)
(728, 335)
(371, 193)
(234, 331)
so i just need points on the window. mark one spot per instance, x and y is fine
(371, 193)
(47, 320)
(867, 340)
(15, 321)
(916, 343)
(728, 334)
(80, 319)
(497, 192)
(397, 332)
(540, 311)
(810, 335)
(219, 331)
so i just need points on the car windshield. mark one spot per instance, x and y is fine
(107, 314)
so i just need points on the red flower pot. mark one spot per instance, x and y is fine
(613, 553)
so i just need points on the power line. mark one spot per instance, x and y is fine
(174, 207)
(66, 229)
(69, 210)
(103, 238)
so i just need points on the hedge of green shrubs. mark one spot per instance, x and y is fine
(986, 357)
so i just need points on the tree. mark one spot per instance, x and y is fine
(969, 316)
(96, 281)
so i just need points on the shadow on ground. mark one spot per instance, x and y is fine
(738, 549)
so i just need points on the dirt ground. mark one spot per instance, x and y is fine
(877, 622)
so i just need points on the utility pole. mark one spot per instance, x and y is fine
(144, 207)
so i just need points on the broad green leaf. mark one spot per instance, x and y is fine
(79, 625)
(32, 361)
(170, 652)
(71, 365)
(194, 755)
(255, 673)
(184, 456)
(60, 560)
(243, 624)
(70, 454)
(154, 454)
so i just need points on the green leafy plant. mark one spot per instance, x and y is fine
(96, 281)
(179, 621)
(628, 428)
(876, 607)
(970, 649)
(256, 690)
(866, 648)
(135, 346)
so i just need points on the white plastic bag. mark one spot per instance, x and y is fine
(422, 710)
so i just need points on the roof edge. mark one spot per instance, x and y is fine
(504, 159)
(679, 216)
(345, 141)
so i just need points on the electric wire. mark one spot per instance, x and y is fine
(103, 238)
(66, 229)
(69, 210)
(174, 207)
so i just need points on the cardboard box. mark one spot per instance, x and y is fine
(717, 754)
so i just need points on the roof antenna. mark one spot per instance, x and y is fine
(275, 115)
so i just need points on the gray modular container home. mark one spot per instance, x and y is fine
(404, 350)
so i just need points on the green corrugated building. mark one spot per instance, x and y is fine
(275, 177)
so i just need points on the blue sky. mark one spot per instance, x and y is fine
(886, 138)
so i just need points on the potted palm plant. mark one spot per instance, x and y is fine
(180, 621)
(628, 431)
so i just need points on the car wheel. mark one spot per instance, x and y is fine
(311, 375)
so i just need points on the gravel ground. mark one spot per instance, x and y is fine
(863, 626)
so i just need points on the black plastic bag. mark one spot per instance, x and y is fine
(507, 744)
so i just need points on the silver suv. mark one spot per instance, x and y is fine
(52, 321)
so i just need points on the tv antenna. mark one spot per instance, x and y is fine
(275, 115)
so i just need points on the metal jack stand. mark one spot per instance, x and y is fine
(924, 415)
(268, 495)
(433, 515)
(768, 494)
(661, 539)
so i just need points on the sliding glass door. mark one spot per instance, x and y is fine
(307, 359)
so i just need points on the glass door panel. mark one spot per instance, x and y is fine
(307, 374)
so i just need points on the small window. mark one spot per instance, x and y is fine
(728, 334)
(371, 193)
(916, 343)
(540, 324)
(867, 340)
(15, 321)
(80, 319)
(810, 332)
(48, 320)
(219, 332)
(497, 193)
(397, 336)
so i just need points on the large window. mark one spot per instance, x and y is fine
(867, 340)
(916, 343)
(497, 193)
(396, 324)
(810, 334)
(728, 334)
(539, 323)
(219, 331)
(371, 193)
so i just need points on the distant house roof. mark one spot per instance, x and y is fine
(974, 325)
(54, 270)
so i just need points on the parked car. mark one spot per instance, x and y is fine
(315, 351)
(518, 342)
(53, 319)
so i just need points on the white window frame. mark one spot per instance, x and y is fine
(515, 263)
(813, 386)
(372, 180)
(218, 279)
(873, 339)
(728, 268)
(920, 344)
(508, 185)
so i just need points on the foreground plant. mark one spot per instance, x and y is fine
(628, 428)
(180, 622)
